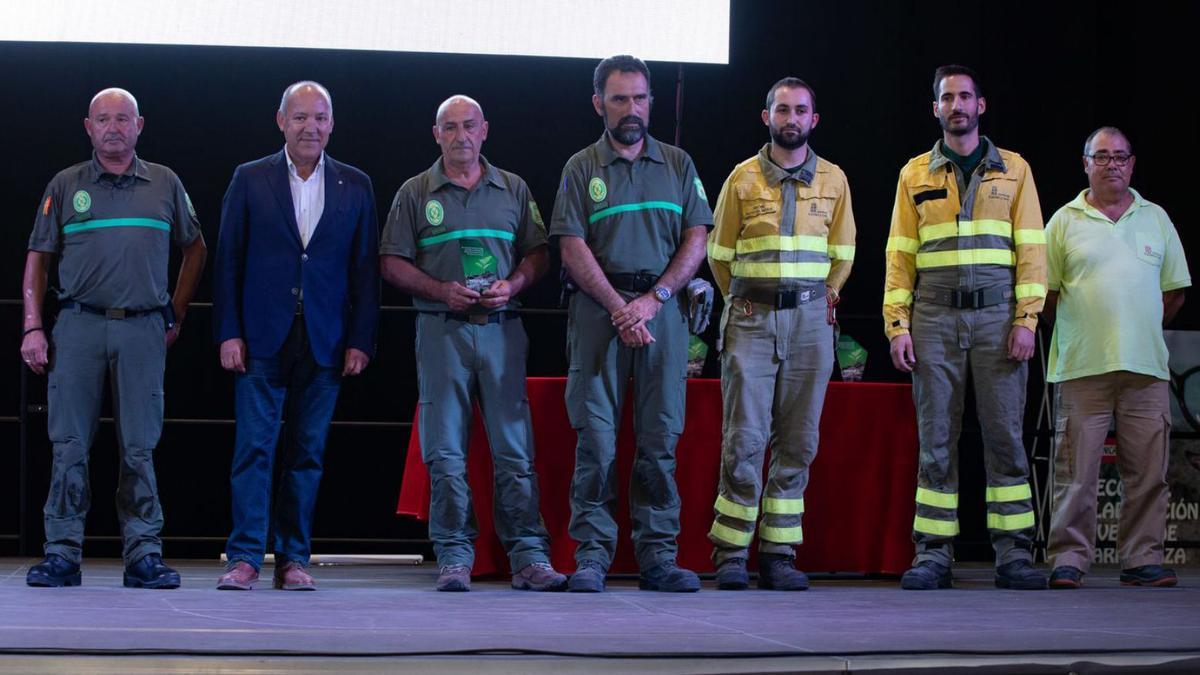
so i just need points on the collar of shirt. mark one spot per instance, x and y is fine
(439, 179)
(650, 150)
(775, 174)
(991, 158)
(292, 173)
(1080, 203)
(137, 169)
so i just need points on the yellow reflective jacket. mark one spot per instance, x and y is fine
(773, 229)
(938, 240)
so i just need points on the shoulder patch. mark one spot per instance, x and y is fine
(535, 214)
(700, 188)
(46, 205)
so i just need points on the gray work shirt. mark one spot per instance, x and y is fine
(113, 233)
(631, 214)
(431, 218)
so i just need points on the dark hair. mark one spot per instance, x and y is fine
(623, 63)
(1111, 131)
(791, 83)
(943, 72)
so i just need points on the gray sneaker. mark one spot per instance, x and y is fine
(539, 576)
(454, 578)
(589, 578)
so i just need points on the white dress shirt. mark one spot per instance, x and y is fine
(308, 197)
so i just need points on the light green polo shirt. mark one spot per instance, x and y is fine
(1110, 278)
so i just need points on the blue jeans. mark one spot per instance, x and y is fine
(291, 381)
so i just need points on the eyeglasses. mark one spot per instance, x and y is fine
(1103, 158)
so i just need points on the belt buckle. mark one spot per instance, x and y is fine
(114, 314)
(785, 299)
(478, 319)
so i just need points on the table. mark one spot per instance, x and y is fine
(858, 505)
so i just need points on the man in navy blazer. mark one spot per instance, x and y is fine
(296, 303)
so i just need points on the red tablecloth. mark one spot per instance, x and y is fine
(858, 505)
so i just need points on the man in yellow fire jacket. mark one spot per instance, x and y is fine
(966, 279)
(780, 250)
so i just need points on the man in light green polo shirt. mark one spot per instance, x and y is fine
(1116, 276)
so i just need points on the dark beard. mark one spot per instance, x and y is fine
(628, 136)
(788, 143)
(973, 124)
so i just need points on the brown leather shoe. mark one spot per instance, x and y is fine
(240, 577)
(292, 577)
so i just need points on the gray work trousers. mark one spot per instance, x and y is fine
(597, 377)
(775, 368)
(132, 353)
(950, 343)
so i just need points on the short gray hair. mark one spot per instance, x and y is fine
(1111, 131)
(296, 86)
(457, 98)
(119, 92)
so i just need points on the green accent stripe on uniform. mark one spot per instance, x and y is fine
(729, 535)
(639, 206)
(967, 228)
(941, 500)
(1017, 521)
(775, 242)
(788, 507)
(841, 251)
(117, 222)
(773, 270)
(781, 535)
(969, 256)
(1029, 236)
(1023, 291)
(898, 296)
(719, 252)
(938, 528)
(728, 507)
(459, 234)
(1009, 493)
(903, 244)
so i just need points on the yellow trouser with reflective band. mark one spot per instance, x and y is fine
(775, 366)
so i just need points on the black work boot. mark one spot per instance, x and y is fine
(732, 576)
(926, 575)
(150, 572)
(1022, 576)
(54, 571)
(776, 573)
(668, 577)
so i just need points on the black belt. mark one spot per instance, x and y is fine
(109, 313)
(477, 319)
(634, 283)
(782, 298)
(986, 297)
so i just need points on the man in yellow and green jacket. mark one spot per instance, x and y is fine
(966, 279)
(780, 250)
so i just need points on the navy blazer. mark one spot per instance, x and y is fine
(262, 267)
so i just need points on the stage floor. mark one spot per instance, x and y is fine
(384, 618)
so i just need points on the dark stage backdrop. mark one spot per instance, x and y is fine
(1051, 73)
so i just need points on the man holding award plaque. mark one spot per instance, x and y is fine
(464, 238)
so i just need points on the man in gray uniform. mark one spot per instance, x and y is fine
(109, 223)
(631, 220)
(464, 238)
